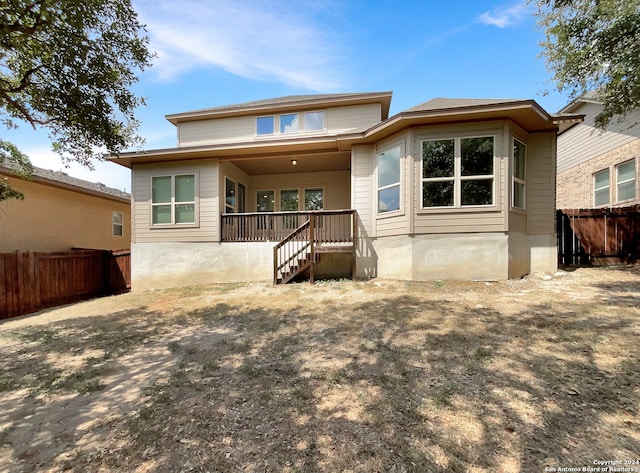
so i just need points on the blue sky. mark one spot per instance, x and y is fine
(215, 52)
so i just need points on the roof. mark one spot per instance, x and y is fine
(589, 97)
(289, 102)
(62, 179)
(527, 114)
(447, 103)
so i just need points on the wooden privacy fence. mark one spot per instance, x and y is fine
(32, 281)
(598, 236)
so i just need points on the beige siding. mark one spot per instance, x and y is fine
(54, 219)
(362, 183)
(243, 129)
(394, 223)
(541, 171)
(584, 142)
(336, 185)
(207, 202)
(223, 130)
(464, 220)
(341, 119)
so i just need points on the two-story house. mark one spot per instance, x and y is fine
(330, 185)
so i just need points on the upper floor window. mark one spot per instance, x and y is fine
(601, 188)
(173, 199)
(389, 180)
(519, 169)
(265, 125)
(626, 181)
(117, 224)
(290, 123)
(458, 172)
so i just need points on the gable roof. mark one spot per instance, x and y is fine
(589, 97)
(281, 104)
(63, 180)
(441, 103)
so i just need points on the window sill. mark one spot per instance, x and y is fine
(448, 210)
(394, 213)
(169, 226)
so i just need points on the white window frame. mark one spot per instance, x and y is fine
(457, 177)
(633, 179)
(275, 194)
(288, 189)
(302, 125)
(316, 130)
(115, 224)
(173, 202)
(297, 117)
(517, 180)
(607, 187)
(398, 184)
(303, 199)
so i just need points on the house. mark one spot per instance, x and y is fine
(598, 169)
(330, 185)
(60, 212)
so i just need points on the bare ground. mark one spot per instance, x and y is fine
(385, 376)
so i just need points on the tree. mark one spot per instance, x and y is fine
(68, 66)
(593, 45)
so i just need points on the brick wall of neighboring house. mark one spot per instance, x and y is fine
(575, 186)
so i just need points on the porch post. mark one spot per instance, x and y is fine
(312, 237)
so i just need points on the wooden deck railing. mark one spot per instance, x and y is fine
(332, 226)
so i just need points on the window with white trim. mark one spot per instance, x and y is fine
(286, 123)
(458, 172)
(626, 181)
(173, 199)
(314, 199)
(601, 188)
(234, 196)
(389, 180)
(519, 175)
(265, 125)
(117, 224)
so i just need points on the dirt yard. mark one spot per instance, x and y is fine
(379, 376)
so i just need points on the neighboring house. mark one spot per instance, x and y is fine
(60, 212)
(449, 189)
(596, 168)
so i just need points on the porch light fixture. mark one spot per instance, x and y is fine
(294, 162)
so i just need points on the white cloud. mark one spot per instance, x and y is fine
(504, 17)
(253, 39)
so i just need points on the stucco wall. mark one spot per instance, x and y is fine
(55, 219)
(164, 264)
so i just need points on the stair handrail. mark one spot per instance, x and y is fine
(293, 236)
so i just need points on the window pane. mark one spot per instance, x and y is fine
(161, 189)
(437, 158)
(478, 192)
(626, 171)
(185, 213)
(601, 179)
(437, 194)
(289, 200)
(627, 190)
(186, 188)
(518, 195)
(117, 217)
(313, 121)
(289, 123)
(389, 167)
(389, 199)
(161, 214)
(477, 156)
(518, 160)
(313, 199)
(601, 197)
(265, 125)
(230, 193)
(117, 230)
(265, 200)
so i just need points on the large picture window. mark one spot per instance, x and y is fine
(626, 181)
(389, 180)
(173, 199)
(458, 172)
(519, 169)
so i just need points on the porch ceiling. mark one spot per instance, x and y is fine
(283, 164)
